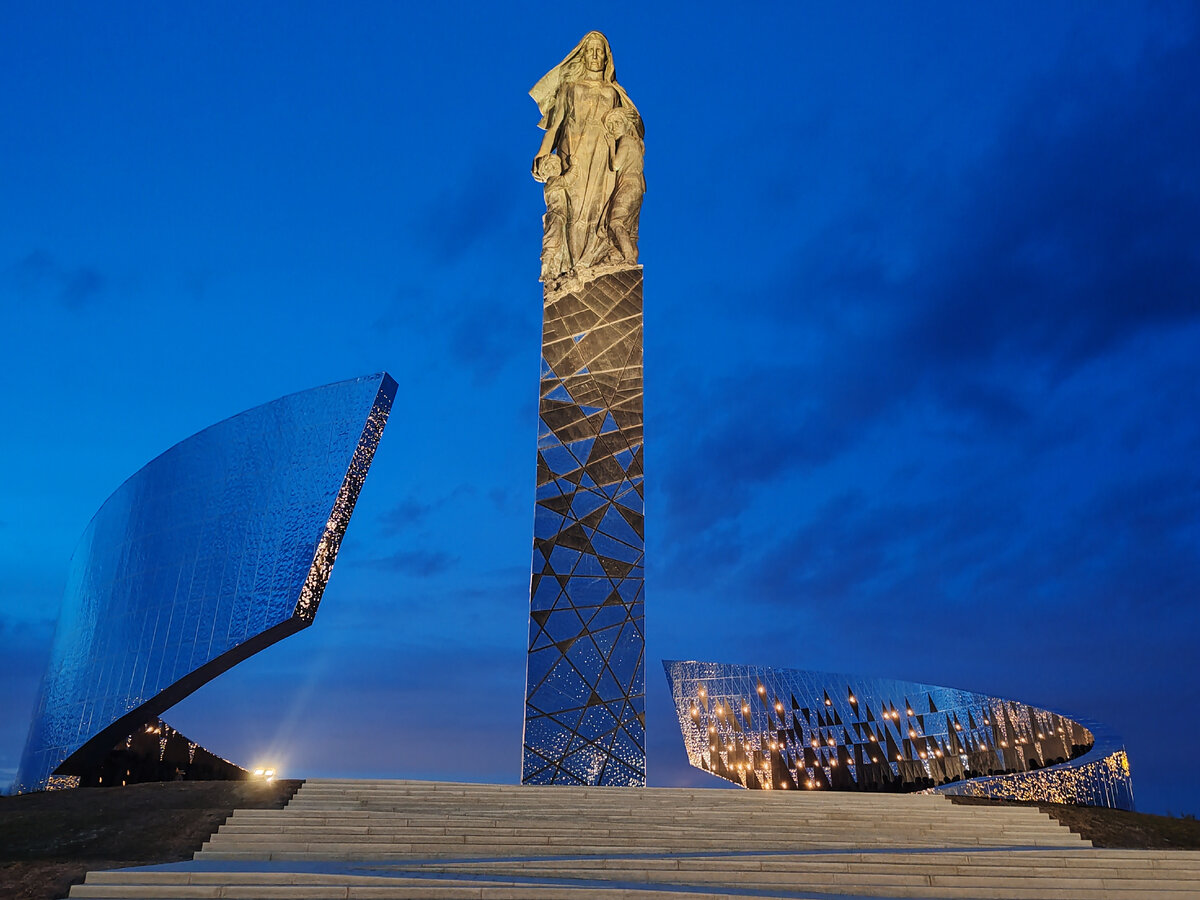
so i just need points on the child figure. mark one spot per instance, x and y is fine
(556, 255)
(626, 204)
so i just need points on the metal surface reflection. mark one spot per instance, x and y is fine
(789, 729)
(214, 550)
(585, 682)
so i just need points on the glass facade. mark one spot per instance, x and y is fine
(789, 729)
(214, 550)
(585, 680)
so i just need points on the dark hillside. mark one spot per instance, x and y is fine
(50, 839)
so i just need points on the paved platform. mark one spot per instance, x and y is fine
(407, 839)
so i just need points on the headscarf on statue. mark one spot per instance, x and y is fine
(547, 93)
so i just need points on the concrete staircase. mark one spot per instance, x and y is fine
(407, 839)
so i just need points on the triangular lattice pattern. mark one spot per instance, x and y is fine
(585, 683)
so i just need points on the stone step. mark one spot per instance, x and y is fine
(400, 853)
(563, 811)
(317, 887)
(901, 864)
(385, 840)
(580, 823)
(631, 834)
(404, 820)
(624, 795)
(682, 844)
(538, 799)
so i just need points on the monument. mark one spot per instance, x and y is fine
(770, 728)
(211, 552)
(585, 676)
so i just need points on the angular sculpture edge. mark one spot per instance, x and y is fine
(219, 547)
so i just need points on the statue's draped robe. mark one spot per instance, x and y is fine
(589, 150)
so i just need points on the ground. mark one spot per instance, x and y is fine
(49, 840)
(1115, 828)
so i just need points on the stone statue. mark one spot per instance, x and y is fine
(556, 258)
(601, 163)
(626, 203)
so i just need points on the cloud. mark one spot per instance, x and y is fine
(417, 563)
(406, 515)
(476, 205)
(1082, 230)
(38, 275)
(484, 335)
(26, 648)
(419, 511)
(1078, 232)
(22, 664)
(80, 287)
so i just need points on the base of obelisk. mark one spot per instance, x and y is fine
(585, 687)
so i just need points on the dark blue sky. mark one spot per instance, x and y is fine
(922, 345)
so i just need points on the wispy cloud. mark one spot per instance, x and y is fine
(1069, 238)
(418, 563)
(38, 277)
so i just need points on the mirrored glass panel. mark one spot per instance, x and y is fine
(214, 550)
(790, 729)
(585, 683)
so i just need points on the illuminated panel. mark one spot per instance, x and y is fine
(585, 678)
(789, 729)
(212, 551)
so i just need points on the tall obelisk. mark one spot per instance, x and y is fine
(585, 680)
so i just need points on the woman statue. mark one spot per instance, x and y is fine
(573, 98)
